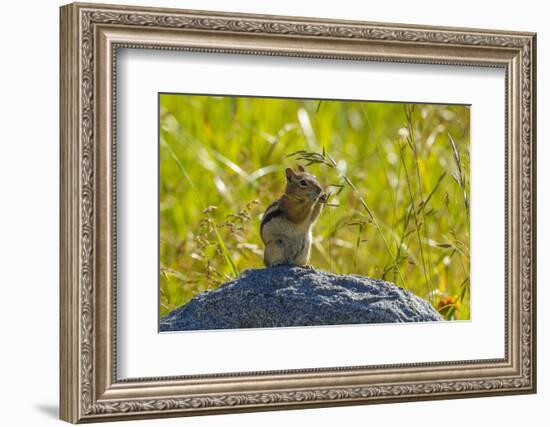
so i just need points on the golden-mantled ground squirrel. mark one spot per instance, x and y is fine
(287, 222)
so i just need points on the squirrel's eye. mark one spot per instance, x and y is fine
(303, 183)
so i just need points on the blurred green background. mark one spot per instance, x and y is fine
(222, 162)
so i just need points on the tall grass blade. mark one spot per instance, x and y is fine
(225, 252)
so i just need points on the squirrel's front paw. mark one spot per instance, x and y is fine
(323, 198)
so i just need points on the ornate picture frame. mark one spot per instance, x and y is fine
(90, 37)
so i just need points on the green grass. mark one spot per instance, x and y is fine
(398, 174)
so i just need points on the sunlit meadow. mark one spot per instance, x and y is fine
(398, 176)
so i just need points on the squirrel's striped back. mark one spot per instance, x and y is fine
(272, 211)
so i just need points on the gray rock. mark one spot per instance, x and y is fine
(293, 296)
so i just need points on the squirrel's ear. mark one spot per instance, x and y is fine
(301, 168)
(289, 173)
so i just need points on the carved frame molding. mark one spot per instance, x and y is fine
(90, 37)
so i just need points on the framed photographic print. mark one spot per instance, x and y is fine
(264, 212)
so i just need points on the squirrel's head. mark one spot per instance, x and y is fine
(302, 185)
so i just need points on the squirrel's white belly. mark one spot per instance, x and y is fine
(289, 243)
(282, 227)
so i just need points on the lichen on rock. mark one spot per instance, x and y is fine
(287, 295)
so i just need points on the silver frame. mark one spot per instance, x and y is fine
(90, 37)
